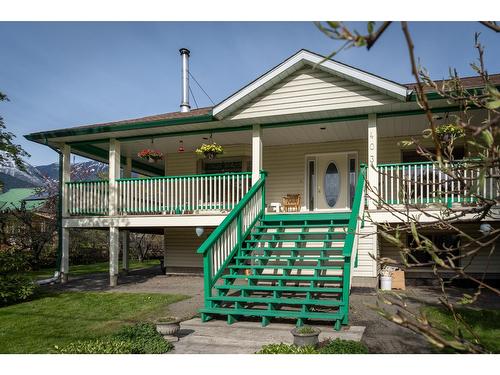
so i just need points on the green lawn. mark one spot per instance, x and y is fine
(60, 318)
(485, 324)
(84, 269)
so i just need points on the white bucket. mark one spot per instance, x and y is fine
(385, 282)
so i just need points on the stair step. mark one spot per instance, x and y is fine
(292, 240)
(338, 248)
(276, 226)
(297, 233)
(334, 258)
(279, 267)
(283, 301)
(274, 313)
(301, 278)
(271, 288)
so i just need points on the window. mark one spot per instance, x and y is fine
(228, 165)
(332, 184)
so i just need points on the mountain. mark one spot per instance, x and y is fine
(12, 177)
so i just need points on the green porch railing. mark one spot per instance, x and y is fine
(350, 243)
(87, 197)
(225, 241)
(181, 194)
(422, 183)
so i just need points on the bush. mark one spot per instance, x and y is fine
(141, 338)
(336, 346)
(339, 346)
(286, 349)
(15, 285)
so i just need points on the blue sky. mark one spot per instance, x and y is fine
(65, 74)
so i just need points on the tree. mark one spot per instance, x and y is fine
(9, 152)
(468, 177)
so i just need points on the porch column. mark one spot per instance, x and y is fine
(114, 251)
(65, 176)
(372, 174)
(114, 173)
(256, 152)
(125, 250)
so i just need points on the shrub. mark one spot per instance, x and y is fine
(105, 346)
(286, 349)
(15, 285)
(329, 346)
(141, 338)
(306, 330)
(339, 346)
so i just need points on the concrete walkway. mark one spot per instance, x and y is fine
(217, 337)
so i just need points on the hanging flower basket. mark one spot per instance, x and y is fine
(210, 151)
(151, 156)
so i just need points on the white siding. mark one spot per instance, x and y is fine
(310, 90)
(182, 244)
(367, 247)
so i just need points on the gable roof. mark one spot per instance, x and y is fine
(297, 61)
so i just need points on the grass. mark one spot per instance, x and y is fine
(484, 323)
(85, 269)
(61, 318)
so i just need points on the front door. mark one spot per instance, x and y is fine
(332, 182)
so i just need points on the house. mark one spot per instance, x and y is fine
(305, 127)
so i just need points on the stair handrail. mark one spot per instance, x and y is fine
(355, 213)
(243, 228)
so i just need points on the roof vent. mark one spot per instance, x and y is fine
(185, 107)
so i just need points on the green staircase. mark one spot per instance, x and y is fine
(289, 266)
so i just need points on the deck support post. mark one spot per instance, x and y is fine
(164, 270)
(65, 176)
(256, 153)
(372, 173)
(114, 251)
(64, 255)
(125, 250)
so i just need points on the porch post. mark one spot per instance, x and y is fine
(114, 173)
(256, 152)
(372, 173)
(114, 251)
(65, 176)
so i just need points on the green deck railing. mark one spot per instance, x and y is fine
(87, 197)
(422, 183)
(225, 241)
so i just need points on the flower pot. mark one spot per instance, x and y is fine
(168, 328)
(306, 339)
(151, 160)
(385, 282)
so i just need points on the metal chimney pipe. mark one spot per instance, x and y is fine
(185, 107)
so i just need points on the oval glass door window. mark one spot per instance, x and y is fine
(332, 184)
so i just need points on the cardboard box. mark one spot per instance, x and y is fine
(398, 280)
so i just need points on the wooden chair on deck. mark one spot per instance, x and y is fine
(291, 203)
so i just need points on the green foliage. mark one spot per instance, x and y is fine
(339, 346)
(98, 346)
(286, 349)
(306, 330)
(15, 285)
(329, 346)
(141, 338)
(144, 338)
(449, 130)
